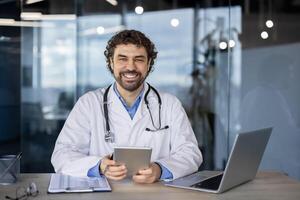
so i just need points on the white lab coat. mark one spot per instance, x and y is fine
(80, 144)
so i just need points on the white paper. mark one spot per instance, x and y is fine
(65, 183)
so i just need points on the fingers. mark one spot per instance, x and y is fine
(116, 178)
(112, 170)
(143, 178)
(149, 175)
(148, 171)
(116, 170)
(116, 173)
(107, 161)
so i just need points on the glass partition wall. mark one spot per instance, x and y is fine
(62, 58)
(9, 79)
(265, 79)
(190, 63)
(233, 64)
(49, 68)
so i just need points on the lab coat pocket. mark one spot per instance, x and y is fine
(156, 139)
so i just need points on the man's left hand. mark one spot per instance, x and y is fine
(150, 175)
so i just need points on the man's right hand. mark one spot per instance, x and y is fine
(112, 170)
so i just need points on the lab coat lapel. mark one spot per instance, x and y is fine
(142, 110)
(116, 107)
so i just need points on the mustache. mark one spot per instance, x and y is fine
(129, 72)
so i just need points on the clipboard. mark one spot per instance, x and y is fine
(60, 183)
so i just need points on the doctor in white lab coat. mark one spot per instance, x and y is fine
(81, 146)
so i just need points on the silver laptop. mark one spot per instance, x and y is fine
(242, 165)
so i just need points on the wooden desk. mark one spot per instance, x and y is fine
(267, 185)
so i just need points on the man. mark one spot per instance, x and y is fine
(88, 137)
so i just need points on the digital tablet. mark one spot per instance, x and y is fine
(134, 158)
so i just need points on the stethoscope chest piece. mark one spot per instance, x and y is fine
(109, 137)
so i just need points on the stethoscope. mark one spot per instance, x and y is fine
(109, 136)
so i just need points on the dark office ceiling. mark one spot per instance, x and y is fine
(286, 12)
(102, 6)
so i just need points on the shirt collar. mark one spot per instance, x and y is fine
(136, 101)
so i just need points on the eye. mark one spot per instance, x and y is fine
(122, 59)
(140, 60)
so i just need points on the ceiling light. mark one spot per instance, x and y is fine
(269, 23)
(139, 10)
(231, 43)
(264, 35)
(113, 2)
(174, 22)
(223, 45)
(4, 39)
(29, 24)
(201, 58)
(31, 15)
(4, 21)
(33, 1)
(58, 17)
(40, 16)
(100, 30)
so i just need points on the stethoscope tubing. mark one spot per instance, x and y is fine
(109, 136)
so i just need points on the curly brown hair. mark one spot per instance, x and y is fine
(130, 37)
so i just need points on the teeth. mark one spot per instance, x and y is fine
(130, 75)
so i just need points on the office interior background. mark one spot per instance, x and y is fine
(234, 64)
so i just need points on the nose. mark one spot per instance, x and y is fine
(130, 65)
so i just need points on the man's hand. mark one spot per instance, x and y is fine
(150, 175)
(112, 170)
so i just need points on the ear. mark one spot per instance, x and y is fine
(149, 65)
(111, 63)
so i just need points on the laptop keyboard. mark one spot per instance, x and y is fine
(212, 183)
(195, 177)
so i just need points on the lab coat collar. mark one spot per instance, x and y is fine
(116, 106)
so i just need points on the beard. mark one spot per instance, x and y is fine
(130, 80)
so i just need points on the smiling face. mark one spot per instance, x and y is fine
(130, 66)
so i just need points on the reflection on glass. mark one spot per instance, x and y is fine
(60, 66)
(93, 33)
(49, 66)
(210, 84)
(174, 45)
(265, 88)
(51, 75)
(63, 59)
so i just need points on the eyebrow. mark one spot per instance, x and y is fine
(120, 55)
(141, 56)
(138, 56)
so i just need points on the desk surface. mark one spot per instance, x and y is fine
(267, 185)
